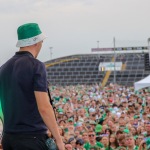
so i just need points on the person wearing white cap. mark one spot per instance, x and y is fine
(27, 111)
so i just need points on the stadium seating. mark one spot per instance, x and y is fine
(83, 69)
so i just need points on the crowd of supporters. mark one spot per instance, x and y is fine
(111, 118)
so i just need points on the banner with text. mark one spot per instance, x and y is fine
(110, 66)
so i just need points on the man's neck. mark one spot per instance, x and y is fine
(24, 50)
(131, 147)
(30, 49)
(92, 142)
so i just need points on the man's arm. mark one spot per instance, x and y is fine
(47, 114)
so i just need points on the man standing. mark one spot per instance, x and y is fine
(24, 98)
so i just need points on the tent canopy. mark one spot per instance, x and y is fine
(142, 83)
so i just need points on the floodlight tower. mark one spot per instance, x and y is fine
(97, 44)
(149, 48)
(114, 60)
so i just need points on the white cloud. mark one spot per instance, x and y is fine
(74, 26)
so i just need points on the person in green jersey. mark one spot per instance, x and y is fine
(92, 141)
(130, 143)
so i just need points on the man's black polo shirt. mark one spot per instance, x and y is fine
(20, 76)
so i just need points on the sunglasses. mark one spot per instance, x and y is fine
(147, 123)
(91, 135)
(140, 138)
(88, 127)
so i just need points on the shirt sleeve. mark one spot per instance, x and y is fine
(40, 78)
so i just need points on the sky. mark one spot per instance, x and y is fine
(75, 26)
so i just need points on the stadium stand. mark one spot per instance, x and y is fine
(147, 63)
(84, 68)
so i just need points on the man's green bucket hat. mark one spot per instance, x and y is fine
(29, 34)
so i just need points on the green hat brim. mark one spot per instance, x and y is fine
(30, 41)
(29, 34)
